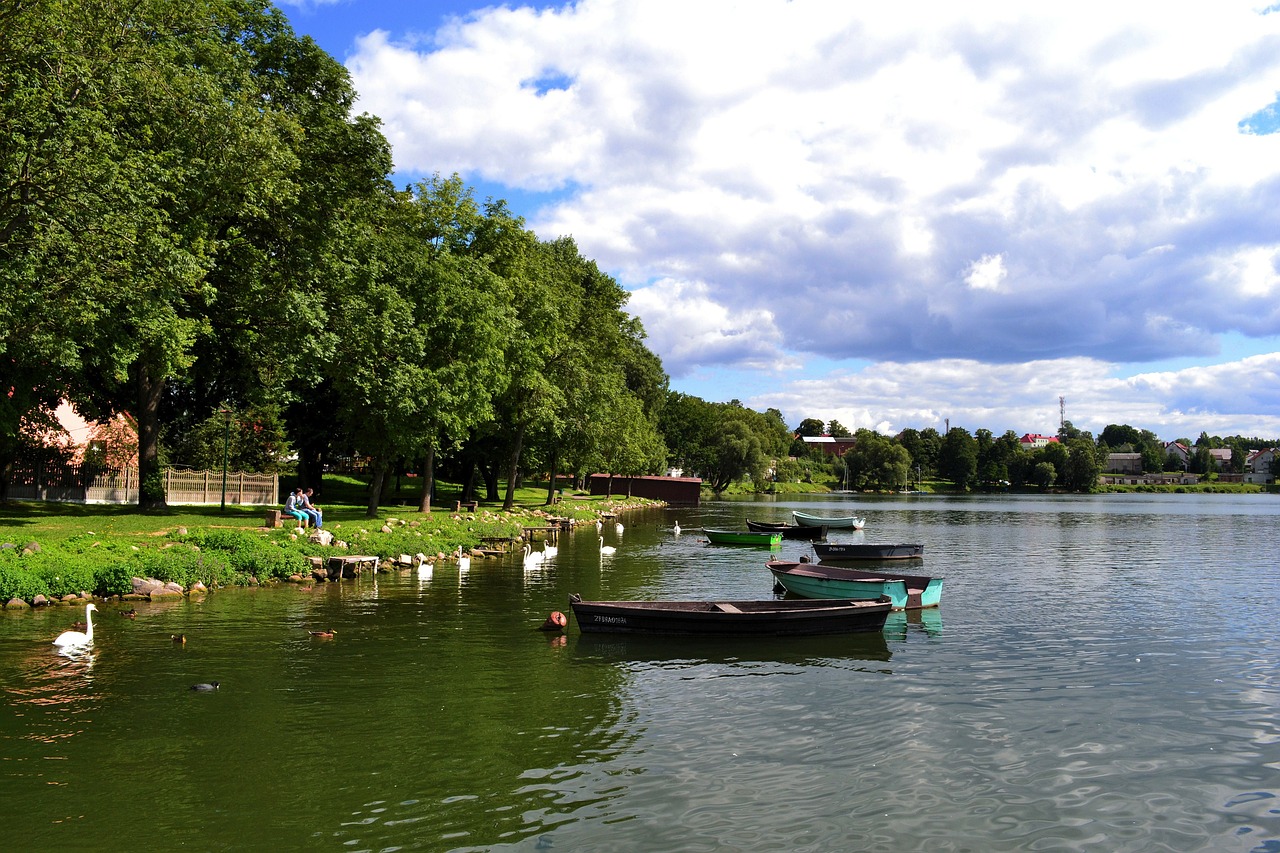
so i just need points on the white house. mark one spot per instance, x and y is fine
(1258, 466)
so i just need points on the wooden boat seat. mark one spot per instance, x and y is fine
(727, 608)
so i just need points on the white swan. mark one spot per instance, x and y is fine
(618, 527)
(464, 560)
(532, 557)
(70, 639)
(599, 525)
(676, 529)
(549, 550)
(606, 550)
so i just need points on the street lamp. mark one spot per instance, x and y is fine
(226, 440)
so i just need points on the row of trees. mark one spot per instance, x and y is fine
(970, 460)
(195, 229)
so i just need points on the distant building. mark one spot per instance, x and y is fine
(1034, 441)
(1179, 452)
(1258, 466)
(1124, 463)
(831, 445)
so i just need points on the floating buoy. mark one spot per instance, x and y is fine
(555, 622)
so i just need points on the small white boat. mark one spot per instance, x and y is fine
(838, 522)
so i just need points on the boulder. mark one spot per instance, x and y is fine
(32, 548)
(321, 537)
(145, 586)
(16, 604)
(162, 594)
(199, 587)
(39, 601)
(174, 587)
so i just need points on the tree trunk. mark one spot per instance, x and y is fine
(147, 391)
(509, 502)
(428, 479)
(375, 486)
(490, 474)
(551, 487)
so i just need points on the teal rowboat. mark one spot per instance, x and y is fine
(761, 539)
(814, 580)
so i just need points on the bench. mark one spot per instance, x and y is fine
(276, 518)
(470, 506)
(727, 608)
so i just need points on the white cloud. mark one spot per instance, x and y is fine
(816, 178)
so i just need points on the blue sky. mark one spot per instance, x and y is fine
(893, 215)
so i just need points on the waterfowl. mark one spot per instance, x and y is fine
(549, 550)
(618, 527)
(599, 525)
(607, 549)
(532, 557)
(464, 560)
(72, 639)
(212, 685)
(676, 529)
(179, 638)
(129, 614)
(324, 635)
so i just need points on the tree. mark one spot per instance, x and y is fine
(958, 457)
(1082, 469)
(877, 462)
(838, 430)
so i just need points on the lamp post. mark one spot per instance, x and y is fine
(226, 440)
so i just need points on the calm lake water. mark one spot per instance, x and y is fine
(1102, 676)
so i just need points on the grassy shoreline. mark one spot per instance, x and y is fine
(76, 551)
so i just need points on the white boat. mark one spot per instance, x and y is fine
(842, 522)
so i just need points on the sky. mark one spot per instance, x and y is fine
(918, 215)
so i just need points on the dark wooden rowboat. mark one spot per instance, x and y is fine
(818, 580)
(836, 554)
(789, 531)
(724, 618)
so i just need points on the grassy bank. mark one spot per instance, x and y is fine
(56, 550)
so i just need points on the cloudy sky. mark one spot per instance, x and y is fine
(893, 215)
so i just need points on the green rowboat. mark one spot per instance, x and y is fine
(760, 539)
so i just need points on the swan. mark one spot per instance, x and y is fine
(676, 529)
(531, 557)
(464, 560)
(618, 527)
(549, 550)
(69, 639)
(606, 549)
(599, 525)
(212, 685)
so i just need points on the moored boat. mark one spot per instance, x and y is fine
(842, 522)
(790, 531)
(816, 580)
(838, 553)
(721, 618)
(765, 539)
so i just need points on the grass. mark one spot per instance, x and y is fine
(99, 549)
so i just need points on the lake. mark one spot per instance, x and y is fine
(1101, 676)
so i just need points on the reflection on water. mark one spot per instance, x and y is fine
(1106, 682)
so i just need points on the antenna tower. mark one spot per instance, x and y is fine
(1062, 412)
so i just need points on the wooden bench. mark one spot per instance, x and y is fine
(276, 517)
(470, 506)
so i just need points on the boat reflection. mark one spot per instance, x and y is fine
(902, 622)
(817, 650)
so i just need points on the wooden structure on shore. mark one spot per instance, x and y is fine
(675, 491)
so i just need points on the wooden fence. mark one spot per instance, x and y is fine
(82, 484)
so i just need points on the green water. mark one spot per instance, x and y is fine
(1101, 676)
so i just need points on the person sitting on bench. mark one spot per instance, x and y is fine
(293, 507)
(313, 511)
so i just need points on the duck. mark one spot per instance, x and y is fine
(606, 550)
(129, 614)
(212, 685)
(180, 639)
(323, 635)
(74, 639)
